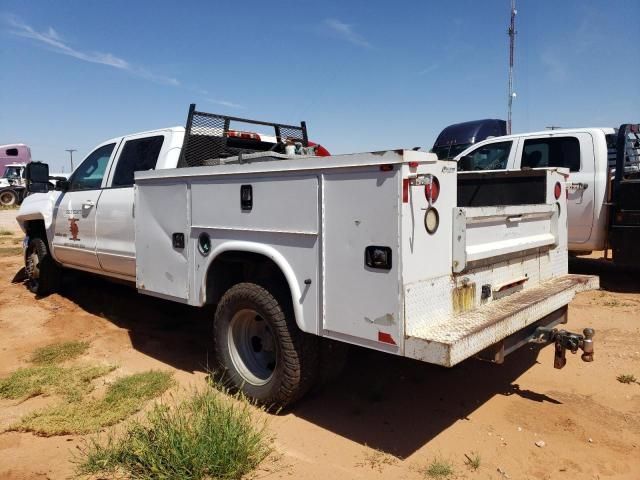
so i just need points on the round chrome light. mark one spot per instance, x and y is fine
(204, 243)
(431, 220)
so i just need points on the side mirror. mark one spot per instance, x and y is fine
(465, 164)
(62, 184)
(37, 175)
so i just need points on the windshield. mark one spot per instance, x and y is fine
(12, 172)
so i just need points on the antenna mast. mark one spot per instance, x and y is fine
(512, 43)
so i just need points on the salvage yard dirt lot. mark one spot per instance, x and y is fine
(385, 417)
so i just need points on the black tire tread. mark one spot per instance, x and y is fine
(49, 279)
(298, 350)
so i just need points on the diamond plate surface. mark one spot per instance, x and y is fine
(429, 302)
(449, 342)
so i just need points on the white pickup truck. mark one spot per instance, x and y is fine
(390, 250)
(604, 209)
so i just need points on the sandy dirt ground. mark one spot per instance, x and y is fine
(385, 417)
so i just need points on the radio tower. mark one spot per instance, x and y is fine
(512, 43)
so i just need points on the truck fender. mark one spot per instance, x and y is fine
(39, 206)
(281, 262)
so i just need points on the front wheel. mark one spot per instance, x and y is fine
(260, 347)
(8, 198)
(43, 274)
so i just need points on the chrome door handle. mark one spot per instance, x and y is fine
(88, 203)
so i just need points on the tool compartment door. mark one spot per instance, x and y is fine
(361, 209)
(162, 211)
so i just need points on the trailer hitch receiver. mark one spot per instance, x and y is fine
(563, 341)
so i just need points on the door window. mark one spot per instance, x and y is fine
(137, 155)
(89, 174)
(493, 156)
(552, 152)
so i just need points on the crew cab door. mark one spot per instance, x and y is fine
(115, 229)
(74, 240)
(575, 152)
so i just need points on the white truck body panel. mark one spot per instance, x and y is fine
(343, 204)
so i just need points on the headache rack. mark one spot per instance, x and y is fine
(211, 138)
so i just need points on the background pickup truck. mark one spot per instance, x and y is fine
(389, 250)
(603, 187)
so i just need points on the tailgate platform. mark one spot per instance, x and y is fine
(459, 337)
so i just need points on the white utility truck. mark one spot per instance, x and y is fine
(603, 187)
(389, 250)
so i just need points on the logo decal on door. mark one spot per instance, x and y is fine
(73, 228)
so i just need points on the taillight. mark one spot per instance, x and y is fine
(432, 190)
(557, 190)
(244, 135)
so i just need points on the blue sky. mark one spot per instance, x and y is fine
(365, 75)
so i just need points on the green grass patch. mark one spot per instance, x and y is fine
(59, 352)
(209, 435)
(5, 232)
(71, 382)
(627, 378)
(123, 398)
(439, 468)
(10, 251)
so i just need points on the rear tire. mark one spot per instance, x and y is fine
(8, 198)
(260, 347)
(43, 274)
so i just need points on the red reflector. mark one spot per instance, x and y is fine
(386, 168)
(413, 164)
(432, 190)
(385, 337)
(557, 190)
(405, 190)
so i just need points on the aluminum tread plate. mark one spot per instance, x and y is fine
(450, 341)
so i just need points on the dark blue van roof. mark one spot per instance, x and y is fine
(471, 132)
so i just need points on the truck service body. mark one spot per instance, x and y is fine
(389, 250)
(590, 155)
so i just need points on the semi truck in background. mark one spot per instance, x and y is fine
(603, 184)
(13, 159)
(460, 136)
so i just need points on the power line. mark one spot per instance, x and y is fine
(512, 45)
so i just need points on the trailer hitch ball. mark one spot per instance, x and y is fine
(587, 344)
(563, 341)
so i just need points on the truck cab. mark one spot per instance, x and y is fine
(101, 239)
(584, 152)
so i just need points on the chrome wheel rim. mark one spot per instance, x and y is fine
(252, 347)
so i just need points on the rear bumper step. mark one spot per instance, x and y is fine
(449, 342)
